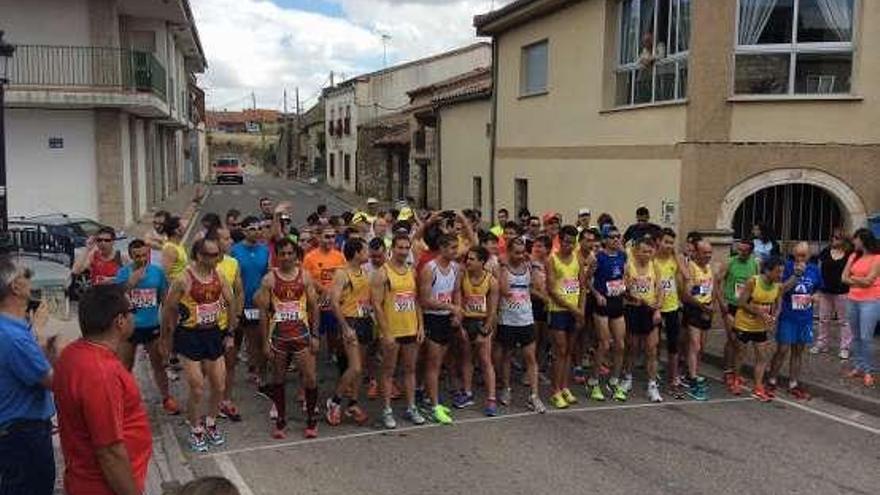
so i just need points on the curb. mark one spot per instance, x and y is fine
(834, 395)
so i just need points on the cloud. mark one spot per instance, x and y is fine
(258, 46)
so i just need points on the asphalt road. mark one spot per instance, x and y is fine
(728, 445)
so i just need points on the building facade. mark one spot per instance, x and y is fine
(716, 114)
(102, 96)
(366, 98)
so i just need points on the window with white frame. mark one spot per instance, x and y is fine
(794, 47)
(533, 72)
(654, 39)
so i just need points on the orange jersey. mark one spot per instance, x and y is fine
(322, 266)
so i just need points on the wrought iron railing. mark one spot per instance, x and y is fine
(87, 67)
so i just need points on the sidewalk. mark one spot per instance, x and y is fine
(822, 375)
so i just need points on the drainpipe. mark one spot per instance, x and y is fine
(493, 121)
(438, 158)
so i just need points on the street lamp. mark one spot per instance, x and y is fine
(6, 51)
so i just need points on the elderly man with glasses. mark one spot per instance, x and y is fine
(27, 464)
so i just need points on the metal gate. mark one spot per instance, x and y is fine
(795, 212)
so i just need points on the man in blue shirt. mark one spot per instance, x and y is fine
(795, 331)
(146, 285)
(252, 255)
(27, 461)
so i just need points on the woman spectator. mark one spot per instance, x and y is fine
(862, 275)
(765, 242)
(833, 294)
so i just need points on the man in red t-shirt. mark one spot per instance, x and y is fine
(105, 431)
(100, 259)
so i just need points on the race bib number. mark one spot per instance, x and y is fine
(405, 302)
(208, 314)
(667, 286)
(642, 285)
(143, 298)
(252, 314)
(705, 287)
(444, 298)
(476, 303)
(288, 311)
(801, 302)
(518, 300)
(738, 289)
(570, 286)
(364, 309)
(324, 303)
(615, 287)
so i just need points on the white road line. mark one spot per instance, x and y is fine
(231, 473)
(483, 419)
(218, 192)
(254, 192)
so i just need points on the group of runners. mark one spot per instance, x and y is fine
(424, 306)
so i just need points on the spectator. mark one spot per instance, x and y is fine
(27, 462)
(862, 275)
(833, 295)
(105, 432)
(503, 217)
(642, 226)
(765, 242)
(267, 208)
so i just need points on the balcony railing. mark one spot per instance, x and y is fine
(87, 68)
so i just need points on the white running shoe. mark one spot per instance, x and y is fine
(535, 404)
(627, 383)
(654, 392)
(844, 354)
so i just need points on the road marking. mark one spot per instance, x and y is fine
(483, 419)
(218, 192)
(236, 192)
(272, 192)
(254, 192)
(231, 473)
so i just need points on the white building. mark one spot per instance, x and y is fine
(365, 98)
(100, 118)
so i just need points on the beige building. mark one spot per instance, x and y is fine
(715, 114)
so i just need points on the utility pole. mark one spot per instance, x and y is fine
(331, 79)
(254, 100)
(298, 131)
(385, 39)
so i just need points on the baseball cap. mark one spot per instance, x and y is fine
(372, 201)
(550, 215)
(584, 211)
(405, 214)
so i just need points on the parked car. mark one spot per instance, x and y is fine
(228, 169)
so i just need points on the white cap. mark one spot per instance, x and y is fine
(584, 211)
(372, 201)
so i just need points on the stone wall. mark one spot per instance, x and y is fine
(375, 174)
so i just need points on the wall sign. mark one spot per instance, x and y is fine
(56, 143)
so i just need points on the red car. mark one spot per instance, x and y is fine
(228, 169)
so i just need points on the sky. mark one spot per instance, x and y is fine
(266, 46)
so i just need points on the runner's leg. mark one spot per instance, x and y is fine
(390, 353)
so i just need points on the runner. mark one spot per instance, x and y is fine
(698, 291)
(441, 304)
(588, 245)
(253, 264)
(196, 308)
(231, 273)
(174, 256)
(399, 317)
(566, 314)
(101, 259)
(608, 290)
(732, 276)
(351, 302)
(288, 315)
(322, 264)
(147, 286)
(755, 317)
(802, 282)
(642, 279)
(538, 263)
(669, 265)
(517, 329)
(479, 296)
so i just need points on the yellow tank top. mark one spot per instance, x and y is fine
(761, 295)
(355, 300)
(400, 303)
(668, 270)
(642, 286)
(475, 298)
(568, 286)
(702, 283)
(228, 268)
(179, 266)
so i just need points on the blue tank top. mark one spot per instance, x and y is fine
(608, 278)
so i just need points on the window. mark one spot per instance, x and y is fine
(332, 163)
(654, 40)
(347, 167)
(794, 47)
(478, 193)
(533, 72)
(520, 194)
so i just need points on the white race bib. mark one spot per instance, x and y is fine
(405, 302)
(517, 300)
(143, 298)
(801, 302)
(615, 287)
(208, 314)
(476, 303)
(252, 314)
(288, 311)
(570, 286)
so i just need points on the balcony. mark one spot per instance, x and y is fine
(87, 76)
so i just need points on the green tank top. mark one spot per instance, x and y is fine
(738, 273)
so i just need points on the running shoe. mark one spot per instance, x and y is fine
(463, 400)
(229, 411)
(357, 414)
(215, 437)
(728, 379)
(311, 430)
(169, 405)
(373, 390)
(844, 354)
(440, 415)
(654, 392)
(770, 390)
(172, 375)
(799, 393)
(334, 413)
(504, 397)
(595, 392)
(627, 383)
(491, 408)
(414, 416)
(868, 380)
(535, 404)
(816, 350)
(273, 413)
(619, 394)
(569, 397)
(696, 388)
(677, 391)
(735, 386)
(558, 401)
(855, 373)
(279, 433)
(760, 394)
(198, 441)
(388, 420)
(579, 377)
